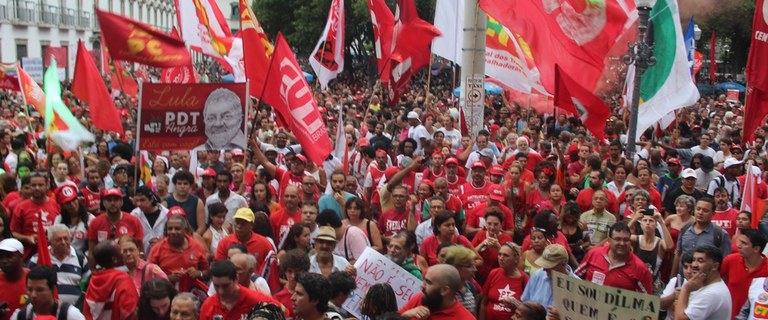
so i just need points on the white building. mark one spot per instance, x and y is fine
(28, 27)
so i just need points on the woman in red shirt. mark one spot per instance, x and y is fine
(488, 241)
(444, 231)
(505, 281)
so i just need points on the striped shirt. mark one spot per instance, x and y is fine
(69, 272)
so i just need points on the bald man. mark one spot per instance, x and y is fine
(288, 215)
(437, 299)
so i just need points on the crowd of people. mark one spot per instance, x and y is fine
(483, 220)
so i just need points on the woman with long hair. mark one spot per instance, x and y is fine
(573, 229)
(517, 191)
(379, 299)
(298, 238)
(538, 244)
(619, 183)
(506, 277)
(155, 299)
(649, 247)
(556, 201)
(217, 213)
(545, 176)
(261, 192)
(139, 270)
(73, 215)
(356, 214)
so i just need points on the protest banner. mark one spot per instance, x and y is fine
(192, 116)
(582, 300)
(373, 268)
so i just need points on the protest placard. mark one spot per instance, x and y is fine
(373, 268)
(192, 117)
(582, 300)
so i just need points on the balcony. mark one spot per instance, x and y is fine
(3, 12)
(68, 17)
(24, 12)
(49, 15)
(83, 20)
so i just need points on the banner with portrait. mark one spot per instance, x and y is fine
(192, 116)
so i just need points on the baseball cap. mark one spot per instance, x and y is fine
(478, 164)
(176, 211)
(487, 152)
(270, 149)
(66, 194)
(496, 192)
(673, 161)
(326, 233)
(731, 161)
(451, 160)
(209, 173)
(497, 170)
(245, 214)
(736, 146)
(12, 245)
(237, 153)
(413, 115)
(553, 255)
(301, 158)
(112, 192)
(688, 173)
(363, 142)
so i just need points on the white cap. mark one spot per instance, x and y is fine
(731, 161)
(413, 115)
(12, 245)
(688, 173)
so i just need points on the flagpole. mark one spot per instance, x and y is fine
(429, 79)
(136, 151)
(26, 105)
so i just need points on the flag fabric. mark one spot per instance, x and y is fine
(289, 93)
(690, 43)
(698, 62)
(122, 80)
(146, 169)
(9, 79)
(750, 202)
(88, 86)
(757, 72)
(34, 95)
(204, 29)
(71, 134)
(712, 59)
(572, 97)
(327, 59)
(667, 85)
(135, 41)
(576, 38)
(383, 22)
(341, 150)
(43, 253)
(449, 19)
(257, 50)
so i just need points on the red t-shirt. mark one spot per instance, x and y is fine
(391, 222)
(14, 293)
(91, 199)
(726, 220)
(284, 296)
(734, 273)
(584, 200)
(285, 178)
(633, 275)
(489, 255)
(455, 311)
(27, 216)
(476, 217)
(472, 196)
(257, 244)
(172, 260)
(246, 300)
(454, 187)
(498, 286)
(282, 221)
(100, 229)
(430, 244)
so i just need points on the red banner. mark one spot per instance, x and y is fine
(192, 116)
(288, 92)
(59, 53)
(257, 50)
(185, 74)
(757, 72)
(574, 98)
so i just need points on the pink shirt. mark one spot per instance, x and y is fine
(152, 271)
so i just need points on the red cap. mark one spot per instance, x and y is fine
(736, 146)
(301, 158)
(237, 153)
(112, 192)
(478, 164)
(497, 170)
(496, 192)
(494, 127)
(389, 172)
(209, 173)
(381, 151)
(574, 148)
(176, 211)
(363, 142)
(673, 161)
(451, 160)
(66, 193)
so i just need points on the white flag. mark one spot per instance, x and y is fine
(327, 60)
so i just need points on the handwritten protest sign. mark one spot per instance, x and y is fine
(581, 300)
(373, 268)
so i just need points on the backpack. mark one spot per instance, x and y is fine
(718, 232)
(62, 311)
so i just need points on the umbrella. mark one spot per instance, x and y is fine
(725, 86)
(309, 77)
(490, 88)
(228, 78)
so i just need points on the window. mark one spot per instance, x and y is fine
(235, 14)
(21, 50)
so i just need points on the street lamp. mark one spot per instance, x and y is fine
(641, 55)
(696, 32)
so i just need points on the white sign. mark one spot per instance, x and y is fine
(582, 300)
(474, 102)
(373, 268)
(33, 67)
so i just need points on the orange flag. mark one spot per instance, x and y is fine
(135, 41)
(257, 51)
(35, 96)
(88, 86)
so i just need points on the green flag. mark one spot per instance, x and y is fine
(52, 89)
(68, 138)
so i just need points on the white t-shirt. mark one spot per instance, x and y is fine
(754, 299)
(708, 152)
(712, 302)
(668, 290)
(416, 133)
(72, 313)
(452, 137)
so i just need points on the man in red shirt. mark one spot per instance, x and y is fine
(113, 223)
(437, 299)
(31, 213)
(288, 215)
(739, 269)
(394, 220)
(584, 200)
(231, 301)
(179, 254)
(375, 173)
(13, 279)
(615, 265)
(724, 216)
(90, 194)
(453, 176)
(476, 216)
(475, 193)
(256, 244)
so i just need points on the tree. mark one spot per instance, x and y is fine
(732, 23)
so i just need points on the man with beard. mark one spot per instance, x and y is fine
(287, 216)
(309, 191)
(686, 187)
(615, 160)
(256, 244)
(400, 251)
(90, 191)
(615, 265)
(724, 216)
(437, 299)
(192, 205)
(223, 116)
(232, 300)
(231, 200)
(705, 295)
(113, 223)
(336, 200)
(596, 180)
(29, 213)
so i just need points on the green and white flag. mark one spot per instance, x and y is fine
(75, 132)
(667, 85)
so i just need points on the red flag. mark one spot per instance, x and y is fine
(712, 60)
(574, 98)
(35, 96)
(383, 30)
(122, 80)
(135, 41)
(757, 73)
(88, 86)
(577, 38)
(257, 50)
(291, 96)
(750, 202)
(43, 254)
(7, 80)
(327, 59)
(463, 126)
(698, 61)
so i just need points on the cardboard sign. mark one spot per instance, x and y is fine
(581, 300)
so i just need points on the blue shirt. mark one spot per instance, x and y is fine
(327, 201)
(539, 288)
